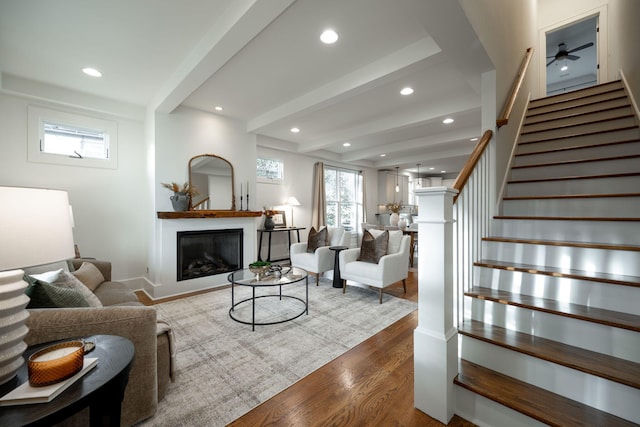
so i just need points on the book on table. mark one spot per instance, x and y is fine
(26, 394)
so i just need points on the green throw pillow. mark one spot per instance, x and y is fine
(45, 295)
(373, 248)
(316, 239)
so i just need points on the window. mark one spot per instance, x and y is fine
(269, 170)
(71, 139)
(343, 196)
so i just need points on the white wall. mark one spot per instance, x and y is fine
(109, 206)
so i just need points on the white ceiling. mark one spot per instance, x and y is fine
(262, 61)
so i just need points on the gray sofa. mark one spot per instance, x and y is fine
(123, 315)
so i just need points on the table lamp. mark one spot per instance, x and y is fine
(292, 201)
(35, 228)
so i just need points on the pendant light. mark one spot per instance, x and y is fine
(397, 186)
(417, 176)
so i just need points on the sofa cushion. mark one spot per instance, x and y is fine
(373, 248)
(45, 268)
(89, 275)
(116, 293)
(45, 295)
(316, 239)
(395, 239)
(67, 280)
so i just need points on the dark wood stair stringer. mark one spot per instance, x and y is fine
(532, 401)
(611, 368)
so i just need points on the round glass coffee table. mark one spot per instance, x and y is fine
(273, 283)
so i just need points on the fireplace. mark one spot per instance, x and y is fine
(208, 252)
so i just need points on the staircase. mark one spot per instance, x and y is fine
(551, 332)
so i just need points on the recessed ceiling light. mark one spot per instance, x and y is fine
(382, 155)
(91, 72)
(443, 171)
(218, 108)
(447, 120)
(346, 144)
(295, 130)
(431, 169)
(564, 68)
(329, 36)
(406, 91)
(473, 139)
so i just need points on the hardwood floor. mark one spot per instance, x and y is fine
(369, 385)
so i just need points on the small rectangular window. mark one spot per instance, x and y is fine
(74, 141)
(65, 138)
(269, 170)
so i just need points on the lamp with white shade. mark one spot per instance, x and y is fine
(35, 229)
(292, 201)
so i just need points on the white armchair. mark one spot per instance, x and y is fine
(322, 259)
(391, 268)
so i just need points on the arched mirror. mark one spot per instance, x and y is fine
(212, 177)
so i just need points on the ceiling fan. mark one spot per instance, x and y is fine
(563, 53)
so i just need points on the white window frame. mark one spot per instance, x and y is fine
(38, 116)
(270, 180)
(355, 228)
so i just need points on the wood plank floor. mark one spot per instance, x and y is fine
(369, 385)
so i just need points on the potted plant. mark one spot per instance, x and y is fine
(394, 217)
(181, 199)
(259, 268)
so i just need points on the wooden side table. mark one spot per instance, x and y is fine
(337, 280)
(101, 389)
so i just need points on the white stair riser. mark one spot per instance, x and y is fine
(577, 108)
(566, 257)
(596, 152)
(625, 184)
(580, 140)
(485, 412)
(614, 232)
(605, 207)
(617, 342)
(585, 388)
(577, 130)
(593, 294)
(599, 167)
(581, 119)
(581, 97)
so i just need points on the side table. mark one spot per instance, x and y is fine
(101, 389)
(337, 281)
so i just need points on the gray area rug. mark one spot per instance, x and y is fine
(224, 369)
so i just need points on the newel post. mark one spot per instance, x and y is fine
(435, 339)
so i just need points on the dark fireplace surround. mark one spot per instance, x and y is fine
(208, 252)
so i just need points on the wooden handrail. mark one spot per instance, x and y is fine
(517, 84)
(465, 173)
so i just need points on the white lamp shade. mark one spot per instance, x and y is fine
(35, 227)
(292, 201)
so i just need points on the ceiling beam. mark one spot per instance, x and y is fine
(376, 73)
(241, 22)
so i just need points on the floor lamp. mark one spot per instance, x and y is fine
(35, 228)
(292, 201)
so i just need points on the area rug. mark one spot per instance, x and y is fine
(224, 369)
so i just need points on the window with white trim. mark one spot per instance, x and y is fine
(269, 170)
(71, 139)
(343, 198)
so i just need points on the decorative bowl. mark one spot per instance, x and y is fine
(260, 270)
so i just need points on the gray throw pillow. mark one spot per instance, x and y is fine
(45, 295)
(373, 248)
(316, 239)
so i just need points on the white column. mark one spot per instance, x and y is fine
(435, 340)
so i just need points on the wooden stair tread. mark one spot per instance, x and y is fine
(573, 125)
(569, 273)
(575, 177)
(532, 113)
(578, 147)
(572, 196)
(588, 245)
(535, 402)
(611, 368)
(578, 134)
(573, 115)
(573, 162)
(615, 319)
(565, 218)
